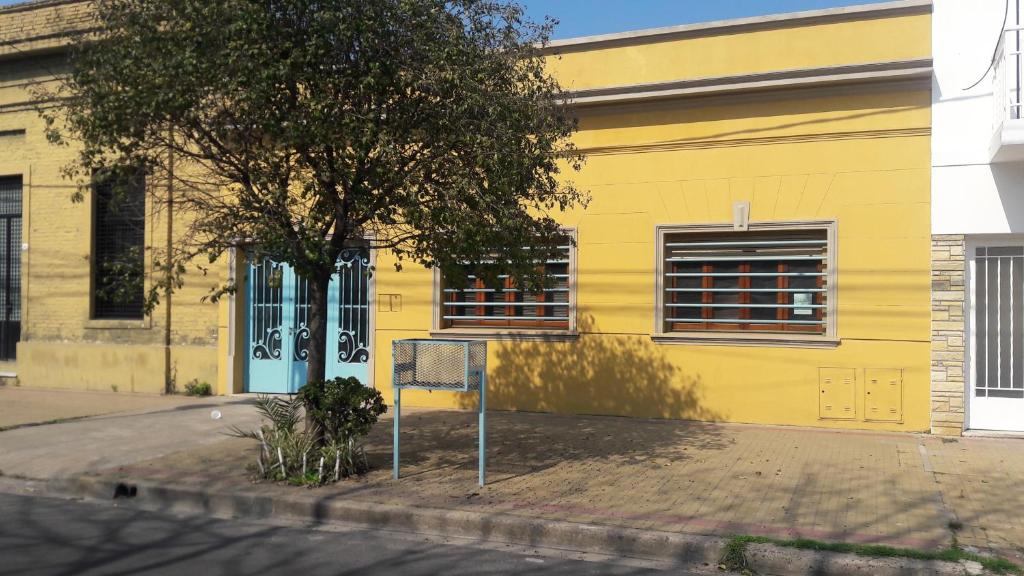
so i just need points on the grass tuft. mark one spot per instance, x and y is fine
(734, 558)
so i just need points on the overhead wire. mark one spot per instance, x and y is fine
(995, 50)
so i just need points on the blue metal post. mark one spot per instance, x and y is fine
(397, 393)
(397, 417)
(483, 427)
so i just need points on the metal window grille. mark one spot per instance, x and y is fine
(119, 244)
(10, 266)
(771, 281)
(502, 303)
(998, 328)
(353, 278)
(266, 315)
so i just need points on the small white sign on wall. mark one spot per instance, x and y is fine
(802, 299)
(740, 215)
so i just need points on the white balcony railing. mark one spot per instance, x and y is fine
(1007, 144)
(1008, 77)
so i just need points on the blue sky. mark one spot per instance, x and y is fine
(587, 17)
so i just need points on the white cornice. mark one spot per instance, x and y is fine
(779, 80)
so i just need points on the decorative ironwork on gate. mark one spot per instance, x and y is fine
(353, 305)
(300, 338)
(266, 307)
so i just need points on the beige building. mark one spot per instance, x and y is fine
(55, 330)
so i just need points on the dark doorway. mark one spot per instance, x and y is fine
(10, 265)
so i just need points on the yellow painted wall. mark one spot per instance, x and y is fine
(709, 55)
(877, 189)
(111, 367)
(860, 157)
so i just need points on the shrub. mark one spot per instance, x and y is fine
(284, 449)
(342, 409)
(196, 388)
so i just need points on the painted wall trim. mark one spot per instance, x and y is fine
(761, 141)
(871, 72)
(733, 26)
(521, 336)
(784, 341)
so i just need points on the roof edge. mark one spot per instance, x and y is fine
(862, 11)
(869, 72)
(35, 4)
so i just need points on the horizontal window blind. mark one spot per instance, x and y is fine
(746, 281)
(501, 303)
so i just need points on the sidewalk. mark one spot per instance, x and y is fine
(682, 477)
(133, 428)
(32, 406)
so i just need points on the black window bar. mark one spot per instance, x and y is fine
(119, 245)
(10, 266)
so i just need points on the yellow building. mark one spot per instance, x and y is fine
(756, 249)
(813, 130)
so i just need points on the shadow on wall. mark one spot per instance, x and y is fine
(1009, 180)
(625, 375)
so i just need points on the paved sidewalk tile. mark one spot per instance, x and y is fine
(887, 488)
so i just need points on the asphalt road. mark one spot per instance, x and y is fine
(49, 536)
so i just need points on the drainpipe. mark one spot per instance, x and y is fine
(169, 383)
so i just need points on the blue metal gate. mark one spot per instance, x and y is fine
(278, 323)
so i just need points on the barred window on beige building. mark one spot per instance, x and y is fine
(118, 262)
(772, 282)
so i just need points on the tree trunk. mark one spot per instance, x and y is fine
(316, 361)
(316, 369)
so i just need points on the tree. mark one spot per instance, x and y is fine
(430, 127)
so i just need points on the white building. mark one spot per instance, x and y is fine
(977, 216)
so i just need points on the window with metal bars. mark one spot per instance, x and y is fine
(998, 278)
(10, 266)
(501, 303)
(746, 281)
(119, 224)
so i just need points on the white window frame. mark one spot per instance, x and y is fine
(509, 333)
(830, 338)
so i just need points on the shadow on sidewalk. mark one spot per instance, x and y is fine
(614, 374)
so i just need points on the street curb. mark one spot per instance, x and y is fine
(682, 549)
(769, 559)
